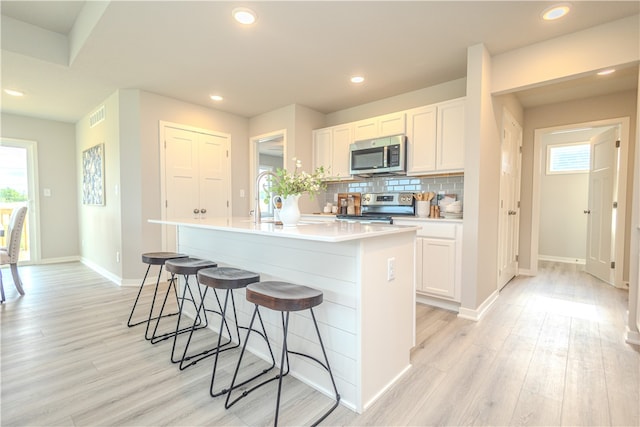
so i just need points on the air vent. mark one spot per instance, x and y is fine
(96, 117)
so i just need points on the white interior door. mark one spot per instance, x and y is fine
(214, 183)
(509, 213)
(602, 182)
(197, 181)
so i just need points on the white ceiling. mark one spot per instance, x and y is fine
(298, 52)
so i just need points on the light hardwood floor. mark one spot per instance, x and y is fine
(550, 352)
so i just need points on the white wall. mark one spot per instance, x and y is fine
(100, 226)
(581, 53)
(429, 95)
(56, 171)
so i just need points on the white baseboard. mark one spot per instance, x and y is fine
(101, 271)
(578, 261)
(59, 260)
(525, 272)
(632, 337)
(478, 313)
(437, 302)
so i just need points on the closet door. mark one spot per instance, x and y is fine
(196, 176)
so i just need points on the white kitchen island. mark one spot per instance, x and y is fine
(367, 319)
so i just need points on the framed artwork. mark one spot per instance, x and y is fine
(93, 175)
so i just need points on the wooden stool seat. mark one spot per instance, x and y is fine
(226, 277)
(283, 296)
(188, 266)
(159, 258)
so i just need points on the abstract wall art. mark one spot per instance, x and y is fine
(93, 175)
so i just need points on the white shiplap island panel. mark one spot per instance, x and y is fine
(366, 321)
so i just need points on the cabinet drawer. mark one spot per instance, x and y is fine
(433, 229)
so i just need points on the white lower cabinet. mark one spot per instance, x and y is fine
(438, 258)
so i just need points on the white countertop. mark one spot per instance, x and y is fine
(321, 231)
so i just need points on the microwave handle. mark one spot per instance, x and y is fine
(385, 161)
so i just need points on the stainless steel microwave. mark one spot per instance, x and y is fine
(378, 156)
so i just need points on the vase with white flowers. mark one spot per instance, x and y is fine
(290, 186)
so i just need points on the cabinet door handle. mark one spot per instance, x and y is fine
(204, 211)
(587, 211)
(196, 211)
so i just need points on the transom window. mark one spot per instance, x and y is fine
(568, 158)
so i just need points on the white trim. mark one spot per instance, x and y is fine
(632, 337)
(525, 272)
(101, 271)
(33, 203)
(620, 197)
(253, 160)
(477, 314)
(564, 260)
(60, 260)
(437, 302)
(382, 390)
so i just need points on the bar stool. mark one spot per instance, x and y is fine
(153, 258)
(285, 298)
(186, 267)
(227, 279)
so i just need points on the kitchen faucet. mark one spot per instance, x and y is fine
(256, 212)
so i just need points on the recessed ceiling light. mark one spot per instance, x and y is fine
(607, 72)
(357, 79)
(13, 92)
(556, 11)
(244, 15)
(217, 97)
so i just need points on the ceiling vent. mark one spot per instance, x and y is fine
(96, 117)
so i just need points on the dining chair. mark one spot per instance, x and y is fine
(9, 255)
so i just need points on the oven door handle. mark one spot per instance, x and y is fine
(385, 151)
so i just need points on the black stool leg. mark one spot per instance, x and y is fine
(195, 358)
(135, 304)
(328, 368)
(215, 362)
(285, 354)
(233, 385)
(197, 319)
(153, 304)
(157, 338)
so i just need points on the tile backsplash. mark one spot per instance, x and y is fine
(452, 184)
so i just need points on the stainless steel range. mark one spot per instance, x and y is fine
(382, 207)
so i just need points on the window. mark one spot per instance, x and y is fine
(568, 158)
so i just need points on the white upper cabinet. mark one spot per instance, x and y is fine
(375, 127)
(450, 131)
(331, 150)
(421, 139)
(435, 138)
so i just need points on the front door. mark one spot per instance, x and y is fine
(509, 213)
(602, 182)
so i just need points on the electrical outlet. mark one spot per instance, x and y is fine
(391, 269)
